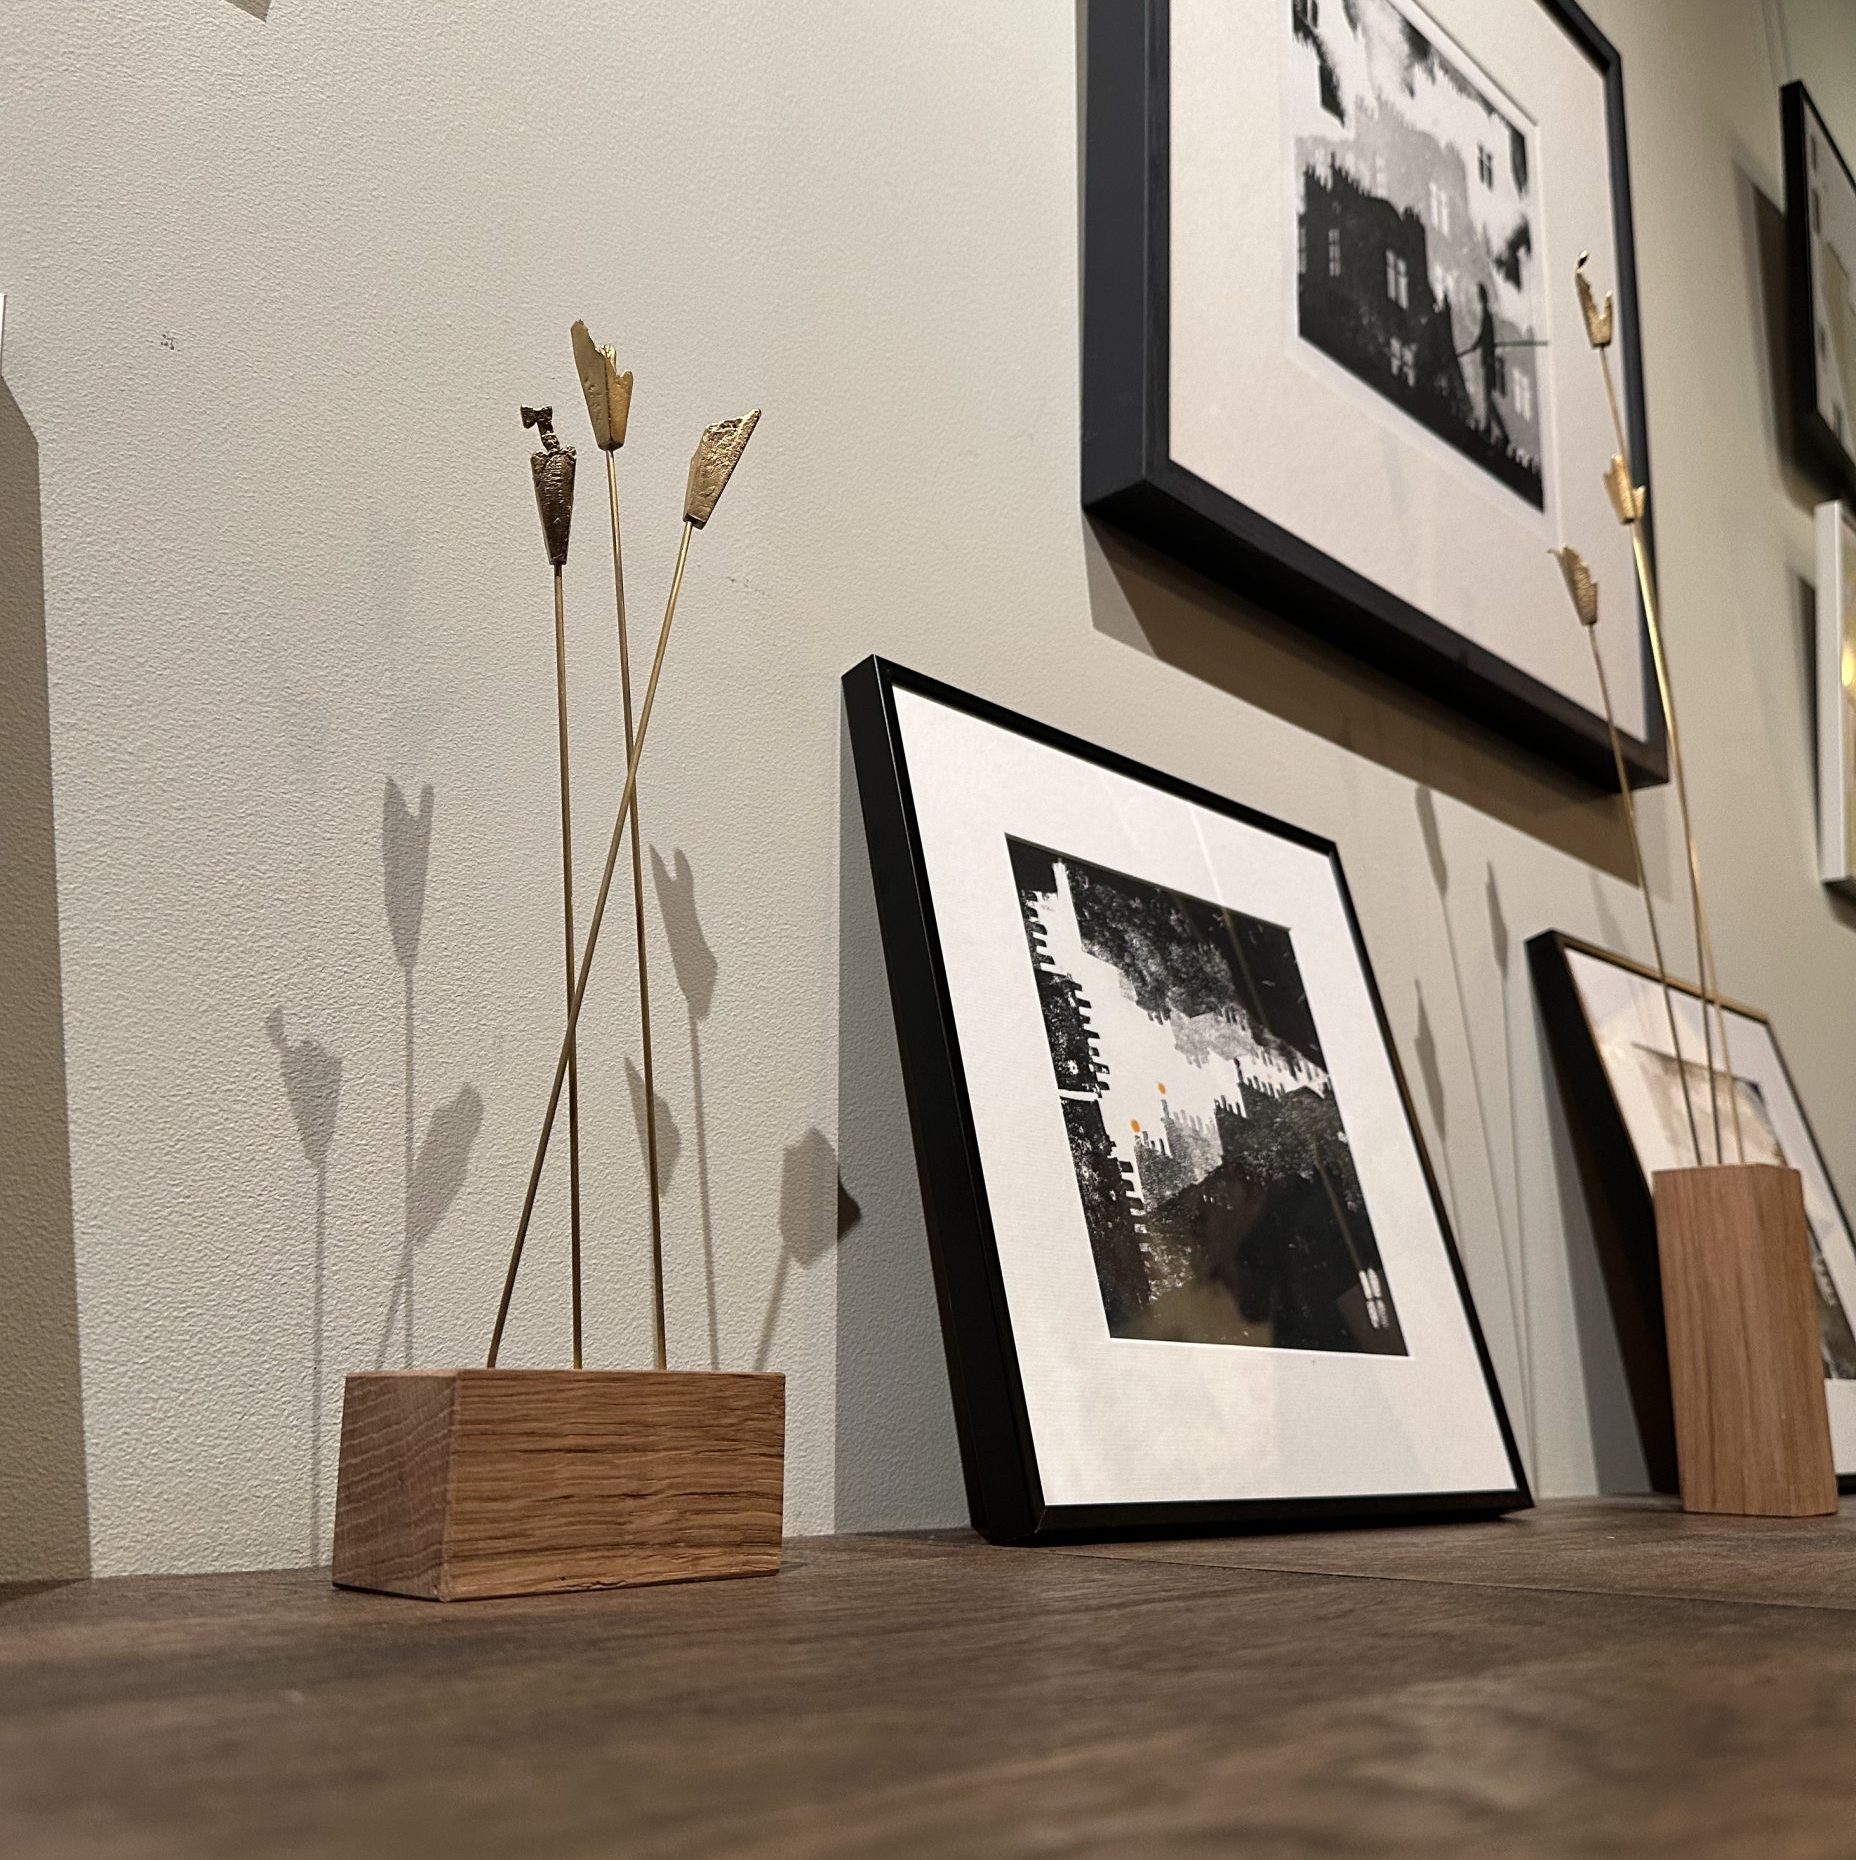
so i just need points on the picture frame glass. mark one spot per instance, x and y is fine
(1374, 209)
(1225, 1268)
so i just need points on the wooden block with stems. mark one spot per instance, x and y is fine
(461, 1483)
(1752, 1425)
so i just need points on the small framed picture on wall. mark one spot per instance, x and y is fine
(1836, 697)
(1333, 355)
(1820, 218)
(1192, 1265)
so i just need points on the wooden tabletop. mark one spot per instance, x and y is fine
(1605, 1678)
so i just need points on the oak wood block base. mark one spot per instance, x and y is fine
(463, 1483)
(1752, 1426)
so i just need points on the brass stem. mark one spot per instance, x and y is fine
(567, 915)
(1643, 887)
(592, 942)
(644, 961)
(1704, 942)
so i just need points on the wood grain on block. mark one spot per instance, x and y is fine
(1752, 1426)
(458, 1483)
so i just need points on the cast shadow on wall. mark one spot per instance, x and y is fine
(1148, 602)
(44, 1492)
(898, 1460)
(1504, 1183)
(696, 970)
(816, 1212)
(432, 1175)
(312, 1077)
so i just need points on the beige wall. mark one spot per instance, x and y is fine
(276, 286)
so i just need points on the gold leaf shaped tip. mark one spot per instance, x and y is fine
(608, 393)
(1597, 321)
(1579, 584)
(1626, 498)
(718, 452)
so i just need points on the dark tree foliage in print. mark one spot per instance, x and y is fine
(1216, 1180)
(1415, 266)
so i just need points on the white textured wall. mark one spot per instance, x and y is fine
(276, 287)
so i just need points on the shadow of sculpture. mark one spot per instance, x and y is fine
(696, 969)
(44, 1490)
(816, 1211)
(258, 9)
(669, 1131)
(898, 1457)
(313, 1087)
(405, 858)
(1512, 1269)
(1430, 1073)
(433, 1176)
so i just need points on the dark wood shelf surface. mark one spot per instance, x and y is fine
(1598, 1678)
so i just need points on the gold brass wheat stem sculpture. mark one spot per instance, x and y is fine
(1628, 500)
(608, 405)
(717, 453)
(1584, 592)
(553, 468)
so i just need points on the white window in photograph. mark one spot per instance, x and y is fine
(1485, 166)
(1398, 280)
(1440, 209)
(1333, 251)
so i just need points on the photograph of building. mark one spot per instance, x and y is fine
(1415, 265)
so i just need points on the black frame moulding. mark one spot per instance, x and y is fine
(1004, 1496)
(1618, 1194)
(1129, 477)
(1829, 454)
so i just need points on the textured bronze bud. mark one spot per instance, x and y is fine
(553, 467)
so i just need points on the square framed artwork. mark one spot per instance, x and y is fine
(1192, 1265)
(1630, 1095)
(1836, 697)
(1332, 351)
(1820, 219)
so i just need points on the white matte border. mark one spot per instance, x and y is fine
(1117, 1421)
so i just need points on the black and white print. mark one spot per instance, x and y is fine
(1416, 267)
(1217, 1184)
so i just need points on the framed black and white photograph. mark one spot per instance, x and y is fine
(1820, 215)
(1332, 350)
(1637, 1100)
(1192, 1264)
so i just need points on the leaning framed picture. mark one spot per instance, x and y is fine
(1820, 220)
(1637, 1100)
(1332, 354)
(1192, 1265)
(1836, 697)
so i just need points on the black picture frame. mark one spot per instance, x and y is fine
(1131, 481)
(1619, 1198)
(1005, 1498)
(1825, 450)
